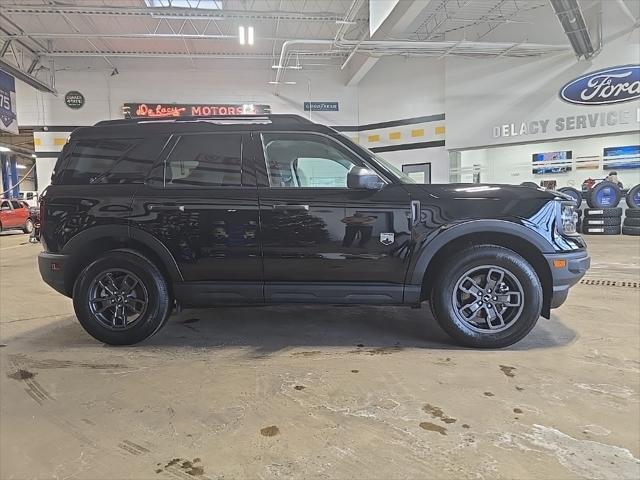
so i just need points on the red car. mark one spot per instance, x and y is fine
(14, 214)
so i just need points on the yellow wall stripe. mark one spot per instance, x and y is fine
(418, 132)
(394, 136)
(373, 138)
(439, 130)
(37, 141)
(59, 141)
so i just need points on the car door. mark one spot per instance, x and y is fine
(201, 203)
(20, 214)
(321, 241)
(7, 217)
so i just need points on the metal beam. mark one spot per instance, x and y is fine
(25, 77)
(136, 54)
(175, 13)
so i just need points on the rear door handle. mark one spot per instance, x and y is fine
(281, 206)
(165, 208)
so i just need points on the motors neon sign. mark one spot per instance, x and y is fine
(167, 110)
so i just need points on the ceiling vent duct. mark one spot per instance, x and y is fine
(585, 41)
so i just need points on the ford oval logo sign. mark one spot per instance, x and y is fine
(604, 87)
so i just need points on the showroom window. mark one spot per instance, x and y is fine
(205, 161)
(111, 161)
(305, 161)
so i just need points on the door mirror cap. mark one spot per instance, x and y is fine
(360, 178)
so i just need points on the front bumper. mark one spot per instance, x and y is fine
(566, 270)
(51, 267)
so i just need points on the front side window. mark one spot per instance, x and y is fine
(205, 161)
(299, 160)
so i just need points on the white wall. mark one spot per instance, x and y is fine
(398, 88)
(486, 93)
(105, 94)
(512, 164)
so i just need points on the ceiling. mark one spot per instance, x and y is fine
(42, 36)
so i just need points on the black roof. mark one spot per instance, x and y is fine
(137, 127)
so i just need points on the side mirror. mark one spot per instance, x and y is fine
(360, 178)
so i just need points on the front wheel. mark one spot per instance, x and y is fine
(487, 296)
(121, 298)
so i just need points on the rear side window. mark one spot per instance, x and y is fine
(15, 204)
(111, 161)
(209, 160)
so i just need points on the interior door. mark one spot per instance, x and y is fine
(321, 240)
(202, 204)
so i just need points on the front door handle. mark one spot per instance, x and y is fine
(281, 206)
(415, 212)
(165, 208)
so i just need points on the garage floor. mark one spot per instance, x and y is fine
(317, 392)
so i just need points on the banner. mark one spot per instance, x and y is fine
(155, 110)
(8, 116)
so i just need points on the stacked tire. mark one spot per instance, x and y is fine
(603, 217)
(631, 225)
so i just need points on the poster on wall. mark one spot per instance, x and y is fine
(8, 115)
(551, 162)
(156, 110)
(621, 158)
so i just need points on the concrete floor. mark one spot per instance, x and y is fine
(317, 392)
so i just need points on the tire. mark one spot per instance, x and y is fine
(633, 197)
(602, 212)
(150, 285)
(602, 221)
(602, 230)
(635, 231)
(604, 195)
(573, 193)
(518, 275)
(529, 184)
(632, 222)
(28, 226)
(632, 213)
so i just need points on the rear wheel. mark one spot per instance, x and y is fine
(487, 296)
(121, 298)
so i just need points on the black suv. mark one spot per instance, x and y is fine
(145, 215)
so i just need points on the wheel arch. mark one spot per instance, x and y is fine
(527, 246)
(91, 243)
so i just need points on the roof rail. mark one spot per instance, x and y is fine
(273, 118)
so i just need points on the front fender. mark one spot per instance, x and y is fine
(427, 248)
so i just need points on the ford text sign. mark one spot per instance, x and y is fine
(604, 87)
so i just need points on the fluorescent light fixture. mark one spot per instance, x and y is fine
(345, 22)
(250, 35)
(288, 67)
(4, 149)
(272, 82)
(241, 35)
(33, 155)
(21, 167)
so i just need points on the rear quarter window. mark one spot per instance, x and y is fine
(110, 161)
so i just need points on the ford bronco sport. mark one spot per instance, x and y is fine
(145, 215)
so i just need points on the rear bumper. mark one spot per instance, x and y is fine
(51, 267)
(575, 266)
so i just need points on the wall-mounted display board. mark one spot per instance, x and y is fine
(552, 162)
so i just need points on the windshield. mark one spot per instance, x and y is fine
(391, 168)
